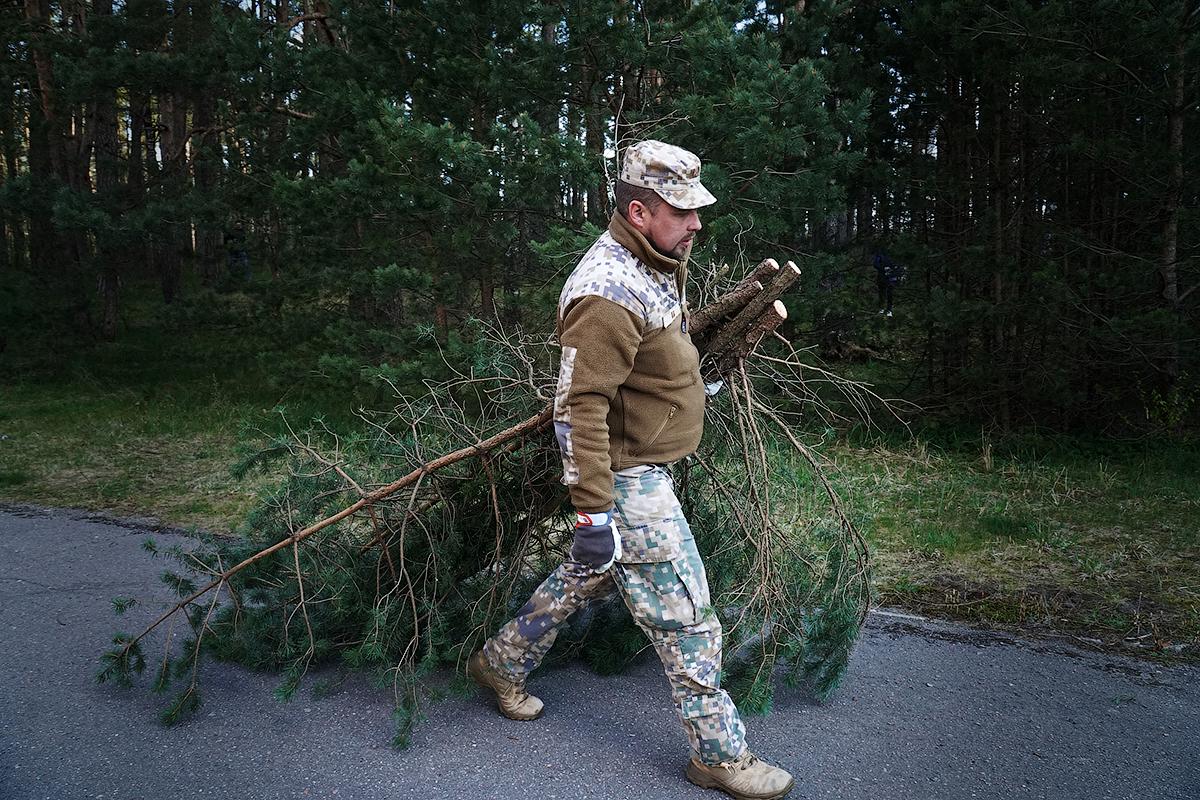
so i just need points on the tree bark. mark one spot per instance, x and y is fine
(9, 223)
(38, 15)
(487, 294)
(724, 306)
(998, 120)
(748, 340)
(731, 335)
(206, 157)
(104, 125)
(593, 116)
(1168, 260)
(43, 240)
(172, 123)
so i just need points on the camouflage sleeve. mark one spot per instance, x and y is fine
(600, 340)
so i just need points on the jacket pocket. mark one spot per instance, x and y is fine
(658, 432)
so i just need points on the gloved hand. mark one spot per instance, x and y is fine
(597, 542)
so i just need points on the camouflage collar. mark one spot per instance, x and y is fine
(632, 240)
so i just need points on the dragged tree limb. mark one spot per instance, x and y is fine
(521, 429)
(751, 311)
(447, 568)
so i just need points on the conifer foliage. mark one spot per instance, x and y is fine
(344, 562)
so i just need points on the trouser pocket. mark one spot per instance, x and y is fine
(692, 662)
(659, 570)
(657, 595)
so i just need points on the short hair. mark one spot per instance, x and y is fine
(626, 193)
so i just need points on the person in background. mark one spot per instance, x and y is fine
(887, 274)
(236, 259)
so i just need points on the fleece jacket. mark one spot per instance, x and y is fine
(629, 389)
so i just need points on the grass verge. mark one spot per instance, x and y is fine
(123, 454)
(1097, 540)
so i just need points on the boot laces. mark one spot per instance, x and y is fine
(742, 763)
(515, 689)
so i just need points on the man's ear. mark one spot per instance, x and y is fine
(638, 214)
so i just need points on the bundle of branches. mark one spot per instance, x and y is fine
(345, 562)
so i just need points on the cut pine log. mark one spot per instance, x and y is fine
(732, 334)
(764, 326)
(733, 301)
(764, 273)
(727, 305)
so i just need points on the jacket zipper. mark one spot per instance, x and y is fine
(657, 433)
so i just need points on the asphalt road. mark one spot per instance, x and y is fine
(929, 710)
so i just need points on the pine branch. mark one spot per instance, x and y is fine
(521, 429)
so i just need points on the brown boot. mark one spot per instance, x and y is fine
(514, 702)
(744, 778)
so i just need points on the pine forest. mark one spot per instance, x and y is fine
(977, 218)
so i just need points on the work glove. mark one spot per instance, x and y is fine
(597, 543)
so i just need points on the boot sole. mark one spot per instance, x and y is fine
(483, 684)
(706, 781)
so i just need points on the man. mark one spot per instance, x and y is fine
(887, 274)
(236, 259)
(630, 400)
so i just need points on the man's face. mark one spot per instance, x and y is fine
(669, 229)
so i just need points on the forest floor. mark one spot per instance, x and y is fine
(1097, 539)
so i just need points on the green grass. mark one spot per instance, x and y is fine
(13, 477)
(1094, 538)
(71, 445)
(148, 424)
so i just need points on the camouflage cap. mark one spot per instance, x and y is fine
(672, 172)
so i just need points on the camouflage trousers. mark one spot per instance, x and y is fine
(661, 578)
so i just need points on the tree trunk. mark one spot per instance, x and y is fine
(441, 320)
(206, 157)
(1168, 260)
(104, 125)
(998, 120)
(487, 295)
(9, 223)
(274, 157)
(174, 240)
(38, 15)
(43, 240)
(593, 120)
